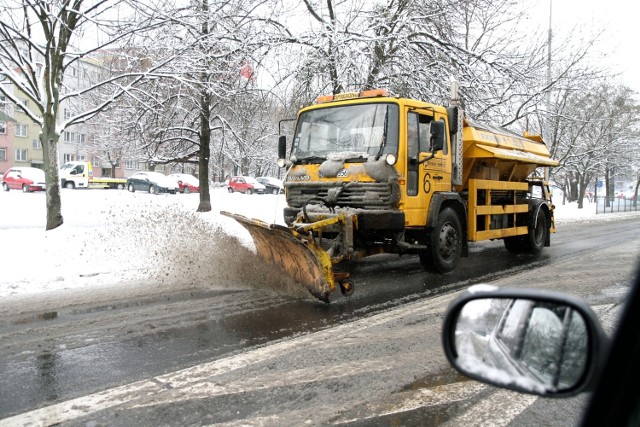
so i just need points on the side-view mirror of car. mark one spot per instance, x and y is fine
(538, 342)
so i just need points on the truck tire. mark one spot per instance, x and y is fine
(69, 185)
(120, 186)
(5, 186)
(533, 241)
(25, 188)
(444, 244)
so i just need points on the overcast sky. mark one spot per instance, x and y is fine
(618, 48)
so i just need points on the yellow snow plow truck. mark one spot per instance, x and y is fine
(369, 173)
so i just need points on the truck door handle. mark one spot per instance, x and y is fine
(437, 177)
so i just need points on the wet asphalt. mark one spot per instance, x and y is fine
(73, 351)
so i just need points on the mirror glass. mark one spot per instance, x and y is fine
(534, 346)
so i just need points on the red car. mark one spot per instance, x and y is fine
(186, 183)
(24, 178)
(245, 184)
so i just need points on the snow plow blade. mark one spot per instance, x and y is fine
(296, 254)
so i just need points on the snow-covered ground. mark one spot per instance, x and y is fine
(118, 240)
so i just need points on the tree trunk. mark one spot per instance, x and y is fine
(582, 189)
(205, 125)
(205, 151)
(635, 194)
(54, 205)
(608, 195)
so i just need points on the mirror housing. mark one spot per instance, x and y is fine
(483, 342)
(437, 133)
(282, 149)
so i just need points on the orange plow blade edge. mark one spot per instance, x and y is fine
(297, 255)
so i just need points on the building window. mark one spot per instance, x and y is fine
(80, 138)
(130, 164)
(67, 114)
(3, 128)
(36, 144)
(69, 137)
(68, 158)
(3, 154)
(3, 103)
(21, 155)
(21, 130)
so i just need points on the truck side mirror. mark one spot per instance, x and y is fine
(539, 342)
(437, 135)
(282, 150)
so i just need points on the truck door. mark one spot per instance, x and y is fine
(438, 169)
(424, 177)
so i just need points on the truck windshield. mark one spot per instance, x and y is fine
(349, 132)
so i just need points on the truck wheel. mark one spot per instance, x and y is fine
(515, 244)
(5, 187)
(533, 242)
(537, 233)
(445, 244)
(230, 190)
(131, 188)
(25, 188)
(186, 190)
(249, 191)
(120, 186)
(69, 185)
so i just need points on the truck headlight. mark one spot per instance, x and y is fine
(391, 159)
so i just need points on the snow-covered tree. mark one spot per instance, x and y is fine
(42, 44)
(215, 45)
(594, 137)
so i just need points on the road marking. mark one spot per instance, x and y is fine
(497, 410)
(416, 399)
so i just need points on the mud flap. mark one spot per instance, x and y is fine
(296, 254)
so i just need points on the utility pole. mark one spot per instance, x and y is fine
(547, 126)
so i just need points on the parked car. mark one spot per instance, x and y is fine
(245, 184)
(186, 183)
(153, 182)
(626, 195)
(25, 178)
(273, 185)
(551, 345)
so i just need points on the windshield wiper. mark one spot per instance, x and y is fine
(355, 159)
(384, 135)
(310, 159)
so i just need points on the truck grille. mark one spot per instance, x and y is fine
(366, 195)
